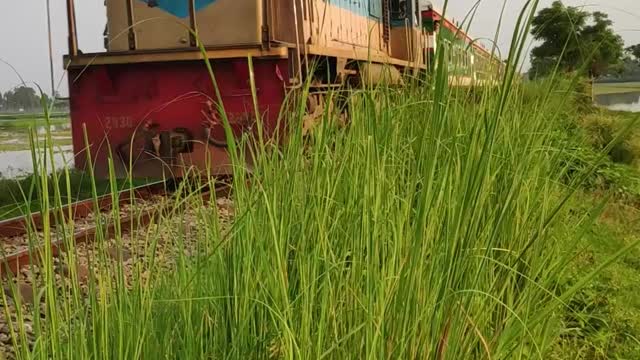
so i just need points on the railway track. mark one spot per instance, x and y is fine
(18, 235)
(23, 245)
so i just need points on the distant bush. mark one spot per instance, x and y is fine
(585, 132)
(601, 129)
(583, 98)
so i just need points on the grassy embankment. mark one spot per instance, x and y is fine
(21, 196)
(610, 324)
(434, 226)
(15, 132)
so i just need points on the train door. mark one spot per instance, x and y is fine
(405, 32)
(377, 12)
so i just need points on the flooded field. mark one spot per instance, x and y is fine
(19, 163)
(620, 102)
(15, 154)
(618, 97)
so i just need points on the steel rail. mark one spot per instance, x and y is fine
(11, 264)
(21, 225)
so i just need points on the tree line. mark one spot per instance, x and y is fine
(26, 99)
(578, 41)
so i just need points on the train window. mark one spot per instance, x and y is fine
(375, 8)
(454, 56)
(399, 9)
(449, 50)
(436, 25)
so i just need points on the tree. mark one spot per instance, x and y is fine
(22, 97)
(557, 28)
(634, 50)
(603, 48)
(574, 40)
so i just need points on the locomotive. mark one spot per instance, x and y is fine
(149, 102)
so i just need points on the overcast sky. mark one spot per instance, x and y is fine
(23, 30)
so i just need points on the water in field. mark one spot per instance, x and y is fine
(15, 154)
(627, 101)
(19, 163)
(14, 137)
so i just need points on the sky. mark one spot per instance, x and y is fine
(23, 25)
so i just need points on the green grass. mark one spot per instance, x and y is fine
(615, 88)
(15, 192)
(28, 116)
(15, 135)
(605, 321)
(427, 229)
(31, 121)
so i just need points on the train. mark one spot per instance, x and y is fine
(147, 107)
